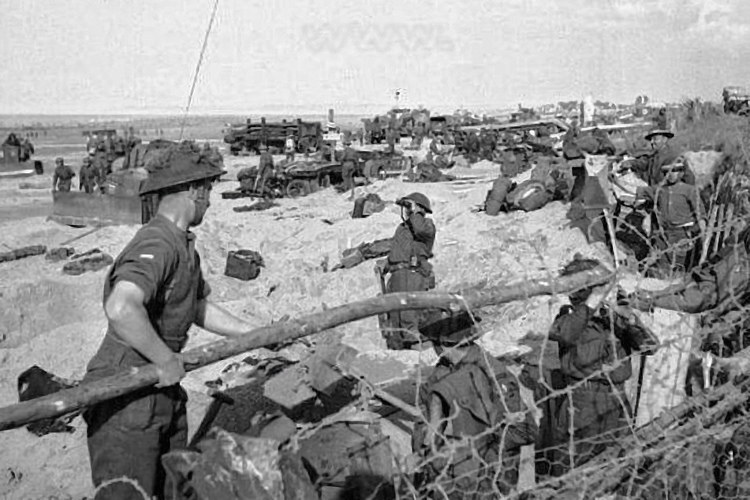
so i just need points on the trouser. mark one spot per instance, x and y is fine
(127, 438)
(261, 181)
(405, 323)
(347, 172)
(679, 247)
(290, 156)
(599, 421)
(88, 186)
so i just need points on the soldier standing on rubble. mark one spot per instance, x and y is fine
(265, 170)
(63, 176)
(476, 394)
(408, 263)
(349, 165)
(680, 217)
(595, 365)
(153, 294)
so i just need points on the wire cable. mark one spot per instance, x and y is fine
(198, 68)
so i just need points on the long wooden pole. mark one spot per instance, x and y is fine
(69, 400)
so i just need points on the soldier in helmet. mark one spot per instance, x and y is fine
(88, 176)
(471, 445)
(63, 176)
(408, 263)
(594, 346)
(649, 167)
(154, 292)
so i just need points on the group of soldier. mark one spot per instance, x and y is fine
(472, 433)
(25, 147)
(92, 175)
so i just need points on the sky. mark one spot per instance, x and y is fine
(139, 56)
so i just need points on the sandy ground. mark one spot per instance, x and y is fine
(56, 321)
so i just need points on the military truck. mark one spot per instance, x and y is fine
(248, 138)
(101, 138)
(736, 100)
(15, 160)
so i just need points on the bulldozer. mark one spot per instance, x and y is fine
(248, 138)
(118, 201)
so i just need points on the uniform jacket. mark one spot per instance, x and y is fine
(414, 238)
(676, 204)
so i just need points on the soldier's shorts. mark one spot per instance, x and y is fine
(128, 436)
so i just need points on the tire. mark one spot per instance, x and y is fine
(297, 188)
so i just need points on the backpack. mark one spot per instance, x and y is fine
(529, 195)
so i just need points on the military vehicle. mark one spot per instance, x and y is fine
(736, 100)
(120, 202)
(15, 160)
(295, 179)
(248, 138)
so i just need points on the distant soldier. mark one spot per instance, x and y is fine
(88, 176)
(109, 149)
(361, 136)
(27, 149)
(349, 165)
(102, 167)
(265, 169)
(289, 148)
(409, 266)
(63, 176)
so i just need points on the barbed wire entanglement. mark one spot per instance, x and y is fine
(643, 394)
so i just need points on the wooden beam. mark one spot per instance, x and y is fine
(70, 400)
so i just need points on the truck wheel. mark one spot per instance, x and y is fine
(298, 188)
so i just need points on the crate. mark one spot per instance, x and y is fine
(243, 264)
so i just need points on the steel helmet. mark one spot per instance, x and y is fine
(178, 169)
(666, 133)
(421, 200)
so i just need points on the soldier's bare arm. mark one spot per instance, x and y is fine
(218, 320)
(127, 314)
